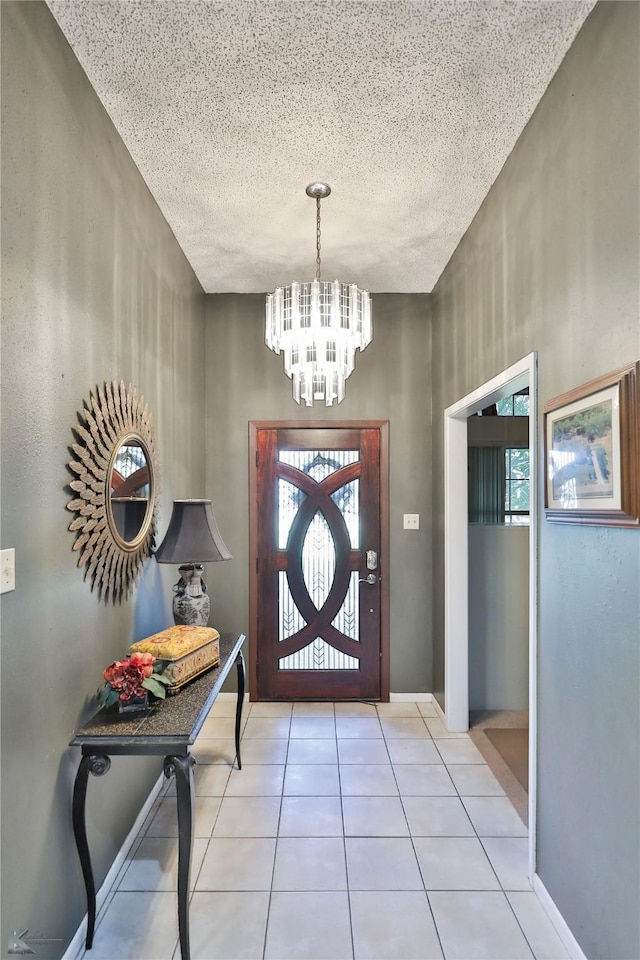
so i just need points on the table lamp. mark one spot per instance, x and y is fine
(192, 540)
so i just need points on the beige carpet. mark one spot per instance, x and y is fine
(507, 752)
(513, 747)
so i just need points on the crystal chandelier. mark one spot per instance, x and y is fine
(318, 326)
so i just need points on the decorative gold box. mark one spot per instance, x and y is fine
(189, 650)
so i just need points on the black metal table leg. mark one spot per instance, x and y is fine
(167, 732)
(182, 768)
(97, 765)
(241, 682)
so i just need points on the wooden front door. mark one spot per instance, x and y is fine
(317, 544)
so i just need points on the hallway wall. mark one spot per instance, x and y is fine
(551, 263)
(245, 381)
(498, 617)
(94, 288)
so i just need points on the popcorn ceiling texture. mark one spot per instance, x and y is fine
(407, 109)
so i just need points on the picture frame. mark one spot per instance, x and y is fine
(592, 451)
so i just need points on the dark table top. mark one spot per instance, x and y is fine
(170, 725)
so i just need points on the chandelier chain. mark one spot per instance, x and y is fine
(317, 238)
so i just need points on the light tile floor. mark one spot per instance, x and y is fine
(352, 831)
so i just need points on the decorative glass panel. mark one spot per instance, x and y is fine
(290, 500)
(318, 464)
(318, 656)
(347, 620)
(348, 503)
(318, 559)
(290, 619)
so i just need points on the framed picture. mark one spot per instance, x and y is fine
(592, 451)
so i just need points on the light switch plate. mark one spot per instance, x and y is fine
(7, 570)
(411, 521)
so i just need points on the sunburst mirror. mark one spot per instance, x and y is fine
(114, 489)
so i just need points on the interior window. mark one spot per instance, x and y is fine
(517, 485)
(499, 473)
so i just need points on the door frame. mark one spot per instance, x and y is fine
(456, 559)
(382, 426)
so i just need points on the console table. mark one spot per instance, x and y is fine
(169, 729)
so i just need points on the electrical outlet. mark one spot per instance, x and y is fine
(7, 570)
(411, 521)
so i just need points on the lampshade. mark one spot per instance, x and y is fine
(193, 535)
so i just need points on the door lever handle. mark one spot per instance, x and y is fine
(371, 579)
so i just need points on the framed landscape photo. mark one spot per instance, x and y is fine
(592, 451)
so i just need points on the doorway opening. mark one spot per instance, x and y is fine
(516, 378)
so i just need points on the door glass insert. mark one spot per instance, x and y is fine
(310, 542)
(318, 655)
(290, 499)
(318, 464)
(347, 620)
(347, 501)
(318, 559)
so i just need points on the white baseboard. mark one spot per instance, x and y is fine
(231, 696)
(76, 947)
(410, 697)
(562, 929)
(439, 709)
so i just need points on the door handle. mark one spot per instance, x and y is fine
(371, 579)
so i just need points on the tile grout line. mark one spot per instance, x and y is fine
(349, 891)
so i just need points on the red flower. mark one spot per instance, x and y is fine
(144, 661)
(113, 674)
(126, 676)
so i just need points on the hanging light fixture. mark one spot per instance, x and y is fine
(318, 326)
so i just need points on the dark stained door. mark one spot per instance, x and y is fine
(318, 563)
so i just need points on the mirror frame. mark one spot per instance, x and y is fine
(111, 416)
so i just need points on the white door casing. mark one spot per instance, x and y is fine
(456, 553)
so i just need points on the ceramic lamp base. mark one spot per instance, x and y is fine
(191, 611)
(191, 604)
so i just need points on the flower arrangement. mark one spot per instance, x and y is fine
(127, 680)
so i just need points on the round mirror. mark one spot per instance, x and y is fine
(114, 489)
(130, 500)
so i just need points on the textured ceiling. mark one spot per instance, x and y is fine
(407, 109)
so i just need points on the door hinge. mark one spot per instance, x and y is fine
(257, 565)
(257, 458)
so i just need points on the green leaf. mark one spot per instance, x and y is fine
(160, 677)
(160, 665)
(157, 689)
(107, 695)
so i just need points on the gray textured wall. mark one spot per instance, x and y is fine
(245, 381)
(94, 288)
(551, 263)
(498, 617)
